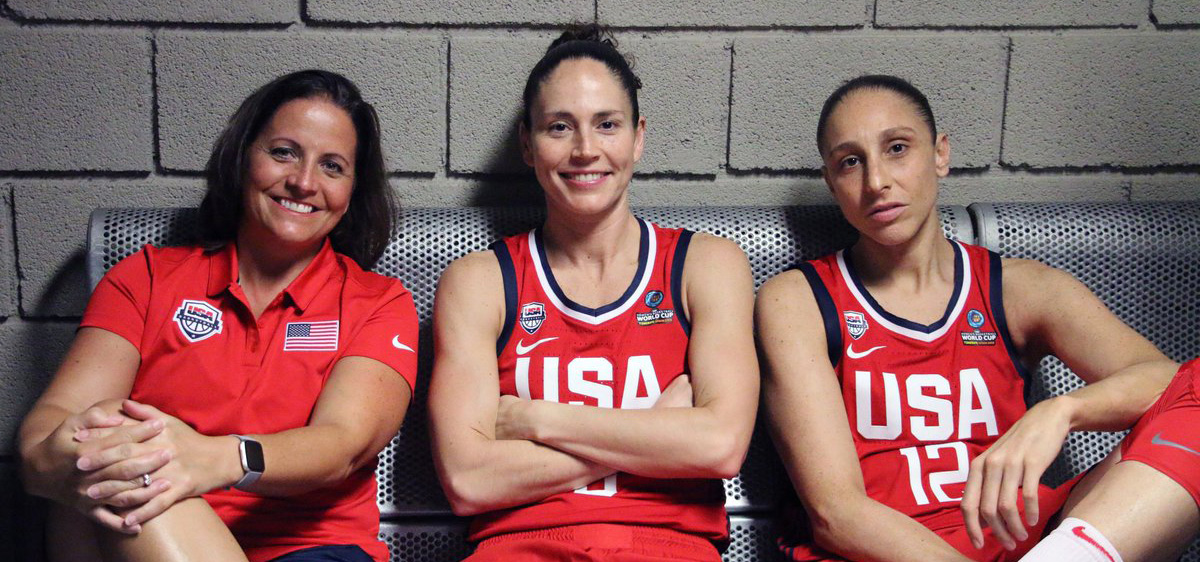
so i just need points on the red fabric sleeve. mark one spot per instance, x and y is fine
(121, 299)
(390, 335)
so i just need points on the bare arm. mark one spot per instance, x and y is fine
(478, 471)
(708, 440)
(1050, 312)
(808, 423)
(98, 369)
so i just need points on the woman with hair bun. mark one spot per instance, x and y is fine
(227, 400)
(596, 377)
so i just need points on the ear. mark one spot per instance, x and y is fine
(825, 176)
(639, 139)
(941, 155)
(526, 149)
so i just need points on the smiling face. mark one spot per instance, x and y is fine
(582, 141)
(882, 165)
(299, 177)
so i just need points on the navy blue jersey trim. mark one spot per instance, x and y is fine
(996, 301)
(643, 251)
(509, 275)
(958, 289)
(829, 315)
(681, 247)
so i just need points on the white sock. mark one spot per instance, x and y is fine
(1074, 540)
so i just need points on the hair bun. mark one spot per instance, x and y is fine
(593, 32)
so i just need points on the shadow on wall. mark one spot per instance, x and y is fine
(43, 346)
(516, 185)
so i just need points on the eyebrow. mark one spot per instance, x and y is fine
(568, 115)
(887, 134)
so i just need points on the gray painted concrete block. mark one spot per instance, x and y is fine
(207, 11)
(487, 75)
(727, 191)
(1165, 188)
(452, 11)
(204, 76)
(1017, 187)
(1176, 12)
(780, 83)
(31, 352)
(51, 220)
(75, 100)
(1103, 100)
(1042, 13)
(710, 13)
(685, 99)
(8, 259)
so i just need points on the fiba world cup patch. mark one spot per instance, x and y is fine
(654, 315)
(653, 299)
(856, 323)
(532, 316)
(975, 320)
(197, 320)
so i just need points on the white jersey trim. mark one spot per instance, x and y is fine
(951, 319)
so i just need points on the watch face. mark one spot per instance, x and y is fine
(252, 456)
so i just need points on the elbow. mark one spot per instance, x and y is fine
(827, 524)
(724, 456)
(466, 496)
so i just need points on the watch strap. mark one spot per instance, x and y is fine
(251, 456)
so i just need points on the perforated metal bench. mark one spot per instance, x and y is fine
(416, 519)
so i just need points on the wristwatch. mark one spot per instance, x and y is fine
(252, 461)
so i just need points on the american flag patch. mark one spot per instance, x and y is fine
(311, 336)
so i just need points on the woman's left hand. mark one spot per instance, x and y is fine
(1016, 460)
(198, 464)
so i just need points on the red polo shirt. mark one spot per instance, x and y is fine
(206, 360)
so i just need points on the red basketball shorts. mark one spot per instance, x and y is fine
(597, 542)
(1167, 438)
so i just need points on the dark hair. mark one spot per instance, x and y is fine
(592, 41)
(365, 229)
(875, 82)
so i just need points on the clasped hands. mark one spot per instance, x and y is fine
(122, 463)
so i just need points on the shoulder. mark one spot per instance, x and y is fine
(787, 293)
(708, 250)
(369, 283)
(152, 261)
(481, 265)
(1030, 279)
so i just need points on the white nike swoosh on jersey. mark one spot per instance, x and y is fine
(522, 349)
(855, 355)
(396, 343)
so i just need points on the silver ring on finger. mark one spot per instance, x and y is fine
(146, 480)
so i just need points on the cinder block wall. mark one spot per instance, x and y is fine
(117, 102)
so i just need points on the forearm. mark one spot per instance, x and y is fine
(302, 459)
(864, 529)
(497, 474)
(1119, 400)
(693, 442)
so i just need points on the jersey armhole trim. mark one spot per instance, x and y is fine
(833, 331)
(996, 301)
(509, 275)
(681, 247)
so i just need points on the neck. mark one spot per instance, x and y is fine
(269, 269)
(591, 240)
(921, 260)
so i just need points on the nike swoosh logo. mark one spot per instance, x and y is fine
(522, 349)
(1078, 530)
(1158, 440)
(396, 343)
(856, 355)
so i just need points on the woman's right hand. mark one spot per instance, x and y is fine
(94, 462)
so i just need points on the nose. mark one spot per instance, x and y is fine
(303, 177)
(585, 146)
(877, 177)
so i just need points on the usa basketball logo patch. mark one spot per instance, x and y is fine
(856, 323)
(198, 320)
(532, 316)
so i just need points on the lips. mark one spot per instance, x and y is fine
(886, 212)
(294, 206)
(583, 179)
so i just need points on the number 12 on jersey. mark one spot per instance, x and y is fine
(936, 480)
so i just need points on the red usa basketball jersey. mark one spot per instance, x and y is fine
(922, 400)
(621, 355)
